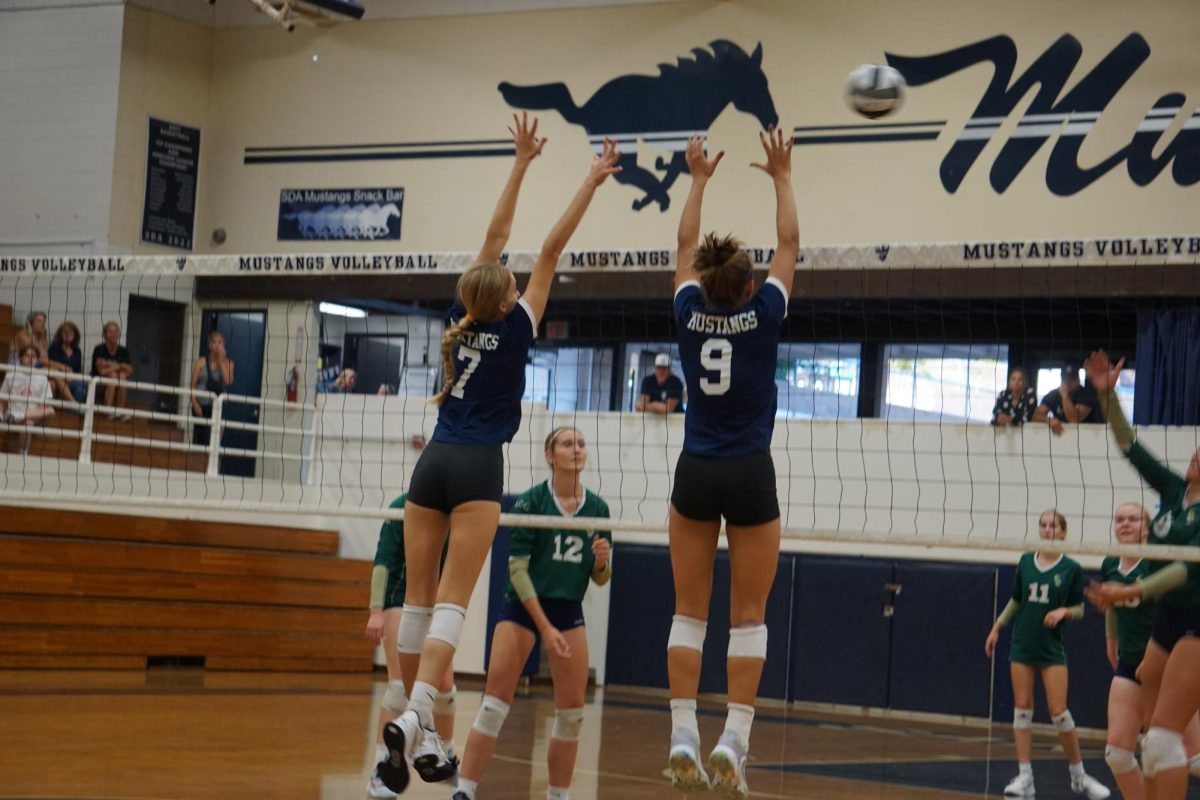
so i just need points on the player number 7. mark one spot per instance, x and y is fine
(472, 357)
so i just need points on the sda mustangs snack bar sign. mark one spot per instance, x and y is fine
(340, 214)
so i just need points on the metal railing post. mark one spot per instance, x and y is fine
(89, 420)
(214, 436)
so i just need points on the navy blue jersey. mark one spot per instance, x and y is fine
(728, 357)
(483, 405)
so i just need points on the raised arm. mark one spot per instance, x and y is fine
(701, 169)
(538, 288)
(1102, 376)
(528, 147)
(779, 166)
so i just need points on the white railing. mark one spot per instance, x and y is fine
(216, 423)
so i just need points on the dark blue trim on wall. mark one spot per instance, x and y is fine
(915, 136)
(387, 156)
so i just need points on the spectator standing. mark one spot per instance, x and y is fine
(1016, 404)
(662, 392)
(212, 372)
(1071, 402)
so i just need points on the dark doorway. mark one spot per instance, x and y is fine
(245, 335)
(377, 357)
(154, 336)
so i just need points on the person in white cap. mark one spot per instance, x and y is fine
(662, 392)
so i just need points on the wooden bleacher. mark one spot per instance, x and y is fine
(133, 455)
(80, 590)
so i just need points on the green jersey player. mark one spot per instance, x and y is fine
(549, 570)
(1173, 655)
(1047, 591)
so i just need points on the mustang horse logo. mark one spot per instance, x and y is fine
(662, 110)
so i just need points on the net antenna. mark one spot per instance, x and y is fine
(287, 13)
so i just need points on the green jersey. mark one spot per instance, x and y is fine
(1135, 618)
(1038, 591)
(560, 561)
(389, 553)
(1174, 523)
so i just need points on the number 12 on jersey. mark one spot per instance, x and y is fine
(716, 355)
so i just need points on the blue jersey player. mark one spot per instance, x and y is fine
(457, 482)
(728, 336)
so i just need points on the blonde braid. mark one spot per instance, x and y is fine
(451, 337)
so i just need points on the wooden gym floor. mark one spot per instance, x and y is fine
(181, 733)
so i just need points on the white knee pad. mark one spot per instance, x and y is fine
(443, 702)
(1119, 759)
(490, 719)
(447, 623)
(567, 724)
(1162, 749)
(1064, 722)
(414, 624)
(687, 632)
(1022, 719)
(394, 698)
(749, 641)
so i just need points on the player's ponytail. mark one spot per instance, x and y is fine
(724, 269)
(482, 290)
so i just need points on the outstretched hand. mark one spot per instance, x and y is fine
(1102, 374)
(779, 153)
(605, 163)
(525, 138)
(699, 166)
(1105, 595)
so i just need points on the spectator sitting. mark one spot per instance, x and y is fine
(28, 395)
(345, 382)
(1016, 404)
(65, 355)
(212, 372)
(1070, 402)
(111, 359)
(21, 340)
(662, 392)
(35, 325)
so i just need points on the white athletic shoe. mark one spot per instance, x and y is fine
(727, 762)
(376, 788)
(684, 763)
(1020, 786)
(1087, 785)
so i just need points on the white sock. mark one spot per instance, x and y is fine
(557, 793)
(740, 718)
(466, 786)
(683, 716)
(381, 752)
(1077, 770)
(420, 700)
(1025, 768)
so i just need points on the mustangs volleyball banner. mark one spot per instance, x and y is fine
(340, 214)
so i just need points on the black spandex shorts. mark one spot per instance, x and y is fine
(1172, 624)
(1126, 670)
(563, 614)
(448, 475)
(739, 488)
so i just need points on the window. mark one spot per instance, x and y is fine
(943, 383)
(569, 378)
(818, 381)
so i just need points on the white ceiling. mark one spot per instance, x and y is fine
(241, 13)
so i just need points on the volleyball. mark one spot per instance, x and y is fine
(874, 90)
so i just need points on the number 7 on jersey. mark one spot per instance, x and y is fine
(472, 357)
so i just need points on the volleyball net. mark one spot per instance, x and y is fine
(889, 366)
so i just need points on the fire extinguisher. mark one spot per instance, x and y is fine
(293, 384)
